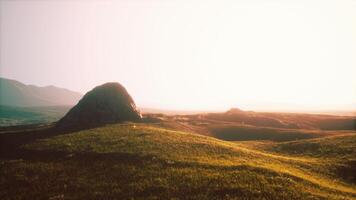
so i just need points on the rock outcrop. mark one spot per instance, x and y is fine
(107, 103)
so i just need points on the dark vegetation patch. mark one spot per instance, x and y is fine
(244, 132)
(347, 171)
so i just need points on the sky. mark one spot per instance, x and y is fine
(188, 55)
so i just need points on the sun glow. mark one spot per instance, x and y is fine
(281, 55)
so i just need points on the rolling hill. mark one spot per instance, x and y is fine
(147, 161)
(229, 128)
(106, 153)
(286, 120)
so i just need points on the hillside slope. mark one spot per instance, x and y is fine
(339, 150)
(14, 93)
(142, 161)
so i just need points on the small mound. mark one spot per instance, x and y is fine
(107, 103)
(234, 111)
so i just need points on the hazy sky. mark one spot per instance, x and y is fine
(253, 54)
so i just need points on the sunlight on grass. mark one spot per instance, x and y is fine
(184, 153)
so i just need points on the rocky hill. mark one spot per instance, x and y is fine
(107, 103)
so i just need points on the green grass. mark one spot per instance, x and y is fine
(14, 116)
(142, 161)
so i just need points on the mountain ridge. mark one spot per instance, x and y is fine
(16, 93)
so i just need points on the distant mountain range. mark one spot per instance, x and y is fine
(15, 93)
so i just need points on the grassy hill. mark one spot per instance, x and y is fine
(340, 146)
(339, 150)
(144, 161)
(236, 131)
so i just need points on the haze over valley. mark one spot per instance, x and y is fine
(178, 99)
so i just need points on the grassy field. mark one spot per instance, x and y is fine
(13, 116)
(144, 161)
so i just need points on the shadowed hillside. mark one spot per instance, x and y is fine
(224, 129)
(245, 132)
(107, 103)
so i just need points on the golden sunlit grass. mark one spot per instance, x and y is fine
(144, 161)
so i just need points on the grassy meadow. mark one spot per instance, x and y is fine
(148, 161)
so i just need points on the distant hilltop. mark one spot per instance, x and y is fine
(15, 93)
(234, 111)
